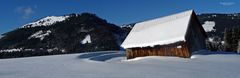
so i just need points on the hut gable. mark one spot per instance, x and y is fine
(166, 34)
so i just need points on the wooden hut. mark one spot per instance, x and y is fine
(175, 35)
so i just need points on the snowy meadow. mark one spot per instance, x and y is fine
(113, 64)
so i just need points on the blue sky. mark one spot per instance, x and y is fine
(15, 13)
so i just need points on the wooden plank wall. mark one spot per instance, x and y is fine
(159, 51)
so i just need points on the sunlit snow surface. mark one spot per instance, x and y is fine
(113, 64)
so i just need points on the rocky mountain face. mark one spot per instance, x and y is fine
(62, 34)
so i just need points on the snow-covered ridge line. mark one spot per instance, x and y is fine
(50, 20)
(127, 26)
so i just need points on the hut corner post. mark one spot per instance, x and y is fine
(128, 53)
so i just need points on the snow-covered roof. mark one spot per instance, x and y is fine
(159, 31)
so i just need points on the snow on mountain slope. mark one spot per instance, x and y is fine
(46, 21)
(209, 26)
(11, 50)
(113, 64)
(40, 34)
(15, 50)
(87, 39)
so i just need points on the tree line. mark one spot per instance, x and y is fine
(230, 42)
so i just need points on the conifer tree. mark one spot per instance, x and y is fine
(238, 50)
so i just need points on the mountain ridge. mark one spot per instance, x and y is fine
(76, 33)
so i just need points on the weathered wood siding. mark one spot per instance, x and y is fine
(159, 51)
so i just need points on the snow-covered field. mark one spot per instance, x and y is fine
(113, 64)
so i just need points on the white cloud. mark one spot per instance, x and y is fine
(26, 12)
(227, 3)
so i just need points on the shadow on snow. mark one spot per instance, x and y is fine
(101, 56)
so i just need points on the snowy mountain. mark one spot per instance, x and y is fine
(113, 64)
(62, 34)
(47, 21)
